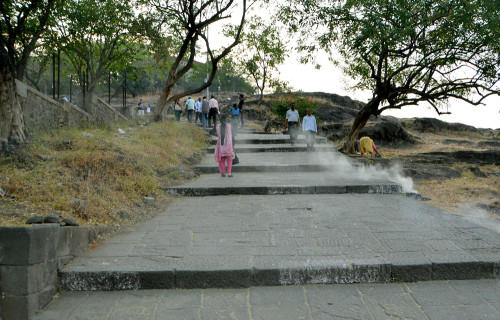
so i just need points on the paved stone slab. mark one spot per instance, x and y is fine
(471, 299)
(290, 239)
(269, 139)
(287, 162)
(260, 148)
(279, 183)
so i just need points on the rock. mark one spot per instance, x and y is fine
(435, 125)
(75, 203)
(452, 141)
(88, 135)
(70, 222)
(416, 196)
(495, 144)
(63, 145)
(193, 159)
(419, 171)
(149, 200)
(123, 214)
(52, 218)
(2, 193)
(389, 131)
(35, 220)
(477, 172)
(120, 131)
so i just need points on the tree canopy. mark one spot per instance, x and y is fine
(405, 52)
(183, 24)
(261, 52)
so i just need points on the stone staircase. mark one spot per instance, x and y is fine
(288, 217)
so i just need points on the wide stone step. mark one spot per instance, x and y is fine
(310, 161)
(244, 241)
(249, 148)
(278, 183)
(233, 272)
(269, 139)
(271, 168)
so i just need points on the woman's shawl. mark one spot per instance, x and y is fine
(227, 149)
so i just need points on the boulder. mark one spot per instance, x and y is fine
(35, 220)
(52, 218)
(434, 125)
(68, 222)
(388, 131)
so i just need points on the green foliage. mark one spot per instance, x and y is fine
(263, 50)
(281, 104)
(22, 24)
(406, 51)
(96, 37)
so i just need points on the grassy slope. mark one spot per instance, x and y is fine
(91, 174)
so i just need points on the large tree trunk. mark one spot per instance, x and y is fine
(12, 127)
(161, 105)
(359, 123)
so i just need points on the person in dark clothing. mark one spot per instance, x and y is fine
(241, 104)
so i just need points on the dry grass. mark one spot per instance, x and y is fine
(453, 194)
(89, 175)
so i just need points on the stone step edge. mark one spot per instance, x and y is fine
(272, 168)
(274, 190)
(269, 141)
(276, 149)
(252, 277)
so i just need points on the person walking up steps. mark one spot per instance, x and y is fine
(310, 129)
(241, 104)
(177, 109)
(190, 109)
(292, 122)
(205, 109)
(235, 114)
(197, 107)
(224, 147)
(214, 110)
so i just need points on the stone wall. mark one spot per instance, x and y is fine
(29, 260)
(41, 112)
(104, 113)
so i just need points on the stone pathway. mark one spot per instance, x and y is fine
(296, 218)
(457, 300)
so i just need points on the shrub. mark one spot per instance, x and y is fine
(281, 104)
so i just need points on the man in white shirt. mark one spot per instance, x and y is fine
(190, 108)
(197, 107)
(214, 110)
(310, 129)
(292, 122)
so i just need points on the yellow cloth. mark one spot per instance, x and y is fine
(366, 145)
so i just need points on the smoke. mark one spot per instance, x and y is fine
(472, 213)
(347, 168)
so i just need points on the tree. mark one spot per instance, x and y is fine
(406, 52)
(262, 52)
(184, 23)
(97, 37)
(21, 25)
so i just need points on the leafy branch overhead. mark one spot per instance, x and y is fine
(405, 52)
(262, 51)
(187, 22)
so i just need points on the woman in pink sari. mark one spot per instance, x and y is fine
(224, 148)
